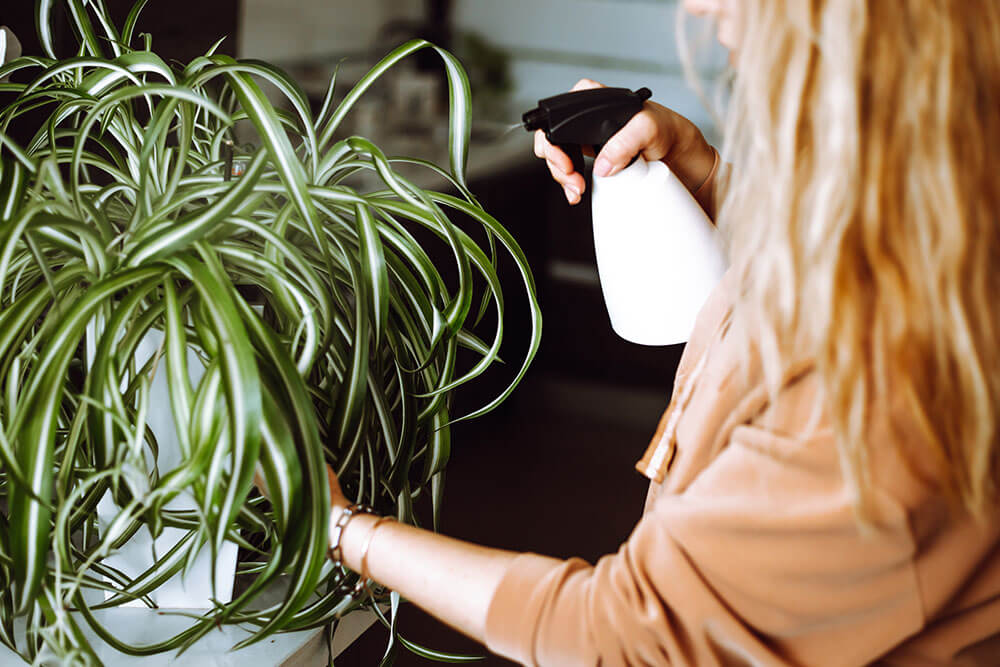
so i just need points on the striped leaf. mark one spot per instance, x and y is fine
(305, 324)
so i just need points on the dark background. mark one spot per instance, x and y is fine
(551, 471)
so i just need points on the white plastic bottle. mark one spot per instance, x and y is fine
(658, 254)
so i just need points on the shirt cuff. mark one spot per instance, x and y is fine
(512, 618)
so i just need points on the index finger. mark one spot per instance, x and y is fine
(540, 142)
(587, 84)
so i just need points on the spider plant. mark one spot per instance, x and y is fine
(326, 332)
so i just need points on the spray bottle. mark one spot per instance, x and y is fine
(658, 254)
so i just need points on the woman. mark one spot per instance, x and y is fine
(824, 483)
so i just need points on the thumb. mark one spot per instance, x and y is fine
(628, 142)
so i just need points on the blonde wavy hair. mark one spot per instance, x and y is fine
(863, 214)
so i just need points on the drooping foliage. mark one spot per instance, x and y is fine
(324, 332)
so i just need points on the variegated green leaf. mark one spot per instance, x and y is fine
(323, 332)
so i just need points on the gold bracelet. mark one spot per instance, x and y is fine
(711, 174)
(365, 574)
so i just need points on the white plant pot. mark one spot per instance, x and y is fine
(193, 589)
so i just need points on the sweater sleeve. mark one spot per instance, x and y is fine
(760, 561)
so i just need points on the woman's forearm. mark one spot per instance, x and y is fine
(450, 579)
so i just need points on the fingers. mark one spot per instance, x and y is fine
(540, 143)
(587, 84)
(573, 186)
(560, 165)
(337, 498)
(561, 168)
(641, 135)
(331, 478)
(555, 156)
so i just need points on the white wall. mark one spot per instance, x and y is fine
(283, 30)
(554, 43)
(551, 43)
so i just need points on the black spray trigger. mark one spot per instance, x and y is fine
(575, 153)
(587, 117)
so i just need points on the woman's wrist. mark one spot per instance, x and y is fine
(697, 167)
(351, 536)
(363, 567)
(341, 518)
(693, 164)
(706, 185)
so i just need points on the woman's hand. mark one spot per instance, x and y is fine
(338, 501)
(452, 580)
(655, 133)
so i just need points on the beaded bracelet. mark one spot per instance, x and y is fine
(335, 552)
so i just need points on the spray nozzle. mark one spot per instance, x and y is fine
(584, 118)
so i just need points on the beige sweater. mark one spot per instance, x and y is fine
(749, 553)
